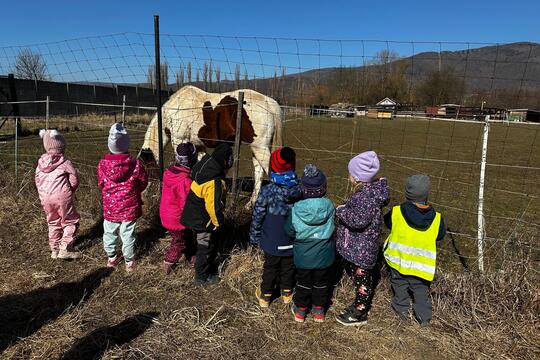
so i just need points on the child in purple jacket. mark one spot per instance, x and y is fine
(359, 229)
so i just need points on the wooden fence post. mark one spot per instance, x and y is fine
(237, 144)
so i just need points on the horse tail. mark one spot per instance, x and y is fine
(278, 129)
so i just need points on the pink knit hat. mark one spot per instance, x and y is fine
(364, 167)
(53, 141)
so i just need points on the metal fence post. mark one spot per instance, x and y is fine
(123, 108)
(237, 143)
(481, 218)
(47, 113)
(17, 153)
(158, 96)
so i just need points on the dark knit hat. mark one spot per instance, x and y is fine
(417, 188)
(223, 155)
(283, 160)
(186, 154)
(313, 182)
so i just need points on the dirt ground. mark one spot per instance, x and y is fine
(81, 310)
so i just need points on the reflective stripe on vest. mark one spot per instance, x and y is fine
(411, 251)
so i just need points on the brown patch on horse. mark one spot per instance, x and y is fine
(220, 123)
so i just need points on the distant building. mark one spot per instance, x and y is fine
(523, 115)
(384, 109)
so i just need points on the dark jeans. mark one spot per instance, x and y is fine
(313, 287)
(419, 288)
(182, 243)
(205, 259)
(277, 271)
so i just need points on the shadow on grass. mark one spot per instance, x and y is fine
(461, 258)
(22, 315)
(150, 235)
(94, 345)
(90, 237)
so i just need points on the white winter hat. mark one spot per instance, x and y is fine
(118, 139)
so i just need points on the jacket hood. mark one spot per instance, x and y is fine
(207, 169)
(118, 167)
(378, 190)
(416, 217)
(176, 173)
(314, 211)
(50, 161)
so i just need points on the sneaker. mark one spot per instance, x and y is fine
(113, 261)
(286, 296)
(212, 279)
(402, 316)
(167, 267)
(264, 300)
(68, 255)
(54, 254)
(352, 317)
(299, 313)
(200, 281)
(130, 265)
(318, 313)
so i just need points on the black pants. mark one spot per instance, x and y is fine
(313, 287)
(402, 285)
(205, 258)
(278, 271)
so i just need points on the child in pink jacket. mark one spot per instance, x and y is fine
(122, 179)
(175, 189)
(56, 182)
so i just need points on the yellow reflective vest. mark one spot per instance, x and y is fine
(411, 251)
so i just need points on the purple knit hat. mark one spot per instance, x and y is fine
(313, 182)
(364, 167)
(186, 154)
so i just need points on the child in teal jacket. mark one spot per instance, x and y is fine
(311, 223)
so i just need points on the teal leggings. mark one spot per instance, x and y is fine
(112, 231)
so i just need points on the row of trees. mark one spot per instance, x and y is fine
(386, 76)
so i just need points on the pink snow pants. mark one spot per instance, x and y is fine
(63, 221)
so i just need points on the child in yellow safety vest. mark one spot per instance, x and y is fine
(411, 250)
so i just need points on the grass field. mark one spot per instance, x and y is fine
(52, 309)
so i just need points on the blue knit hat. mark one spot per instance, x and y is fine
(313, 182)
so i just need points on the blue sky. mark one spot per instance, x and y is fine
(125, 57)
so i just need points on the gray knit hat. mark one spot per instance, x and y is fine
(417, 188)
(118, 140)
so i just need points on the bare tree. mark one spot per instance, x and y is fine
(180, 77)
(246, 78)
(197, 76)
(151, 76)
(205, 76)
(237, 76)
(188, 72)
(218, 77)
(30, 65)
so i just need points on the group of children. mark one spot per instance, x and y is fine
(306, 241)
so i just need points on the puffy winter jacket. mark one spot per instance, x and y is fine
(270, 213)
(360, 224)
(206, 199)
(311, 223)
(56, 178)
(121, 178)
(176, 184)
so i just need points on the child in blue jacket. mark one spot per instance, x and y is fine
(311, 223)
(267, 227)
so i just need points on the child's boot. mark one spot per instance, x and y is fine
(68, 255)
(130, 265)
(264, 299)
(286, 296)
(318, 313)
(167, 267)
(54, 254)
(352, 317)
(112, 261)
(299, 313)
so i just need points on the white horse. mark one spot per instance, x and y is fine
(190, 109)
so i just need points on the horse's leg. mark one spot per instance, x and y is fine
(261, 159)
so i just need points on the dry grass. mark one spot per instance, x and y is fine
(53, 309)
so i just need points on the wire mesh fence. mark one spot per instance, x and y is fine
(478, 78)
